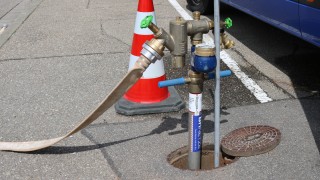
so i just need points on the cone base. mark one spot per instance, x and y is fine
(172, 103)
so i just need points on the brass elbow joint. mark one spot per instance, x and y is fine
(197, 27)
(176, 41)
(225, 42)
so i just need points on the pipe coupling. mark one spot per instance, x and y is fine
(195, 82)
(153, 49)
(226, 42)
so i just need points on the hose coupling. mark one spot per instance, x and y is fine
(153, 49)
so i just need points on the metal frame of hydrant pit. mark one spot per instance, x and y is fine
(176, 42)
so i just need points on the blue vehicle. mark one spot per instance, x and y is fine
(298, 17)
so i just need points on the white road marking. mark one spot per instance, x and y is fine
(250, 84)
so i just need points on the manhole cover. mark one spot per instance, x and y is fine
(179, 158)
(250, 140)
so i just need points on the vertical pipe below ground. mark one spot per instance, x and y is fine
(217, 85)
(195, 107)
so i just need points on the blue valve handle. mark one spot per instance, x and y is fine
(180, 81)
(172, 82)
(224, 73)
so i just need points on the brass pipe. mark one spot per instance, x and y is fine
(160, 33)
(154, 28)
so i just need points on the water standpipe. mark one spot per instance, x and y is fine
(204, 61)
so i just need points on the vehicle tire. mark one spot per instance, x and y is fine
(203, 6)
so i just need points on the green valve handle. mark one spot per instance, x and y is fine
(146, 21)
(228, 23)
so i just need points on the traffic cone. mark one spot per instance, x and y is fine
(145, 96)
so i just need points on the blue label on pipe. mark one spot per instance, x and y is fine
(196, 133)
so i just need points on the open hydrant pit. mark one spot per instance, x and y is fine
(179, 158)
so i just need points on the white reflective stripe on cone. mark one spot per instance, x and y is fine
(154, 70)
(140, 16)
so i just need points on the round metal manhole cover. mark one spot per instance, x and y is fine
(250, 140)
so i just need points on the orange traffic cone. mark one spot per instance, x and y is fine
(145, 96)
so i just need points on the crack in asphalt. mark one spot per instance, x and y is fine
(88, 4)
(10, 10)
(22, 22)
(57, 56)
(104, 33)
(106, 156)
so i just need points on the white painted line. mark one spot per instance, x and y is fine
(180, 10)
(250, 84)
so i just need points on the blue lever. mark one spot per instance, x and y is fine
(171, 82)
(180, 81)
(225, 73)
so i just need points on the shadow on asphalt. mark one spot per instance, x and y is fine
(168, 124)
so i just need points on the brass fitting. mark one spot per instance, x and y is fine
(195, 82)
(154, 28)
(160, 33)
(176, 41)
(204, 51)
(157, 45)
(153, 50)
(211, 24)
(225, 42)
(197, 27)
(178, 32)
(196, 15)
